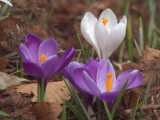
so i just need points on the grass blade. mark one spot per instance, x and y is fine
(107, 111)
(138, 48)
(152, 9)
(130, 39)
(63, 115)
(81, 104)
(118, 100)
(4, 114)
(4, 9)
(134, 111)
(74, 110)
(76, 99)
(79, 39)
(144, 101)
(50, 14)
(141, 37)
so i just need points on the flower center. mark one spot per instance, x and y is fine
(104, 21)
(43, 57)
(109, 81)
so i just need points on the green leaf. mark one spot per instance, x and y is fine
(138, 48)
(81, 104)
(75, 111)
(152, 10)
(63, 115)
(130, 39)
(4, 114)
(141, 37)
(76, 98)
(107, 111)
(118, 100)
(4, 9)
(79, 39)
(92, 54)
(144, 101)
(134, 111)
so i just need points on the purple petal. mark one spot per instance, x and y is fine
(66, 58)
(91, 67)
(48, 48)
(33, 69)
(109, 96)
(24, 53)
(69, 69)
(91, 84)
(79, 81)
(134, 78)
(49, 66)
(68, 73)
(33, 42)
(105, 67)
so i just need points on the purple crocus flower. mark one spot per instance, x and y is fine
(101, 80)
(40, 58)
(91, 67)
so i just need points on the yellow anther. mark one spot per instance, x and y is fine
(104, 21)
(43, 57)
(109, 81)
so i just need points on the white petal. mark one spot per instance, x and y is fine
(124, 20)
(101, 34)
(114, 39)
(7, 2)
(111, 17)
(87, 29)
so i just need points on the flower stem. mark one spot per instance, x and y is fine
(38, 92)
(42, 93)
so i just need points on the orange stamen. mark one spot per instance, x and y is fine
(104, 21)
(43, 57)
(109, 81)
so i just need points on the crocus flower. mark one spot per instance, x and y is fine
(7, 2)
(105, 34)
(91, 66)
(101, 80)
(40, 58)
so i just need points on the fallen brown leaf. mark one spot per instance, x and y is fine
(8, 80)
(3, 64)
(149, 64)
(56, 91)
(50, 110)
(15, 100)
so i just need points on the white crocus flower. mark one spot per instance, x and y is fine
(105, 34)
(7, 2)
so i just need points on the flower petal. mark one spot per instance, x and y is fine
(79, 81)
(91, 67)
(65, 59)
(111, 17)
(101, 34)
(105, 67)
(69, 69)
(32, 69)
(109, 96)
(48, 48)
(49, 67)
(134, 78)
(24, 53)
(33, 42)
(114, 39)
(87, 29)
(123, 20)
(91, 84)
